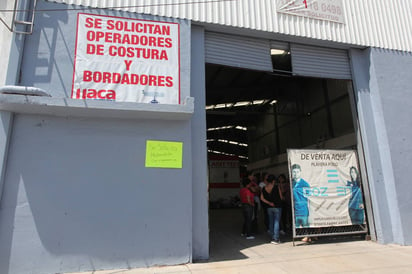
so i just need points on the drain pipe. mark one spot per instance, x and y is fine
(22, 90)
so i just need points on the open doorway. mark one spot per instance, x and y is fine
(255, 116)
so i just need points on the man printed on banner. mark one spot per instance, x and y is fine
(301, 202)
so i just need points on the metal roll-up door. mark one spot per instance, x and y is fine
(237, 51)
(320, 62)
(279, 45)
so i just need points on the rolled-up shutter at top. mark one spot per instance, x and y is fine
(320, 62)
(237, 51)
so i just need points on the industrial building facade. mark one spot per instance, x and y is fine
(78, 191)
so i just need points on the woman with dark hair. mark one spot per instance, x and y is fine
(286, 220)
(271, 196)
(355, 206)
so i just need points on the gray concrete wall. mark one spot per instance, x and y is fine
(199, 150)
(77, 195)
(394, 82)
(383, 101)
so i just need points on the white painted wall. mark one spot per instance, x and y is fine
(377, 23)
(5, 37)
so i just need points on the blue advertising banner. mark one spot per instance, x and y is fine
(326, 188)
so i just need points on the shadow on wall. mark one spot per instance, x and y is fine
(48, 59)
(50, 49)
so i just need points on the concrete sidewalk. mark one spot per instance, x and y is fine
(231, 253)
(345, 257)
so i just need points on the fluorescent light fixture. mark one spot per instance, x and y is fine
(220, 106)
(220, 152)
(273, 102)
(219, 128)
(241, 128)
(241, 104)
(232, 142)
(258, 102)
(227, 127)
(277, 51)
(229, 154)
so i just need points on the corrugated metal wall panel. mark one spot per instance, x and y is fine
(320, 62)
(376, 23)
(237, 51)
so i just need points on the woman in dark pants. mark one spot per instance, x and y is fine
(248, 204)
(271, 196)
(286, 220)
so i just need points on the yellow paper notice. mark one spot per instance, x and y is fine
(164, 154)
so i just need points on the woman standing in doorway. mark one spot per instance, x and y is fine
(271, 197)
(286, 220)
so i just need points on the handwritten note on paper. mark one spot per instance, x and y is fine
(164, 154)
